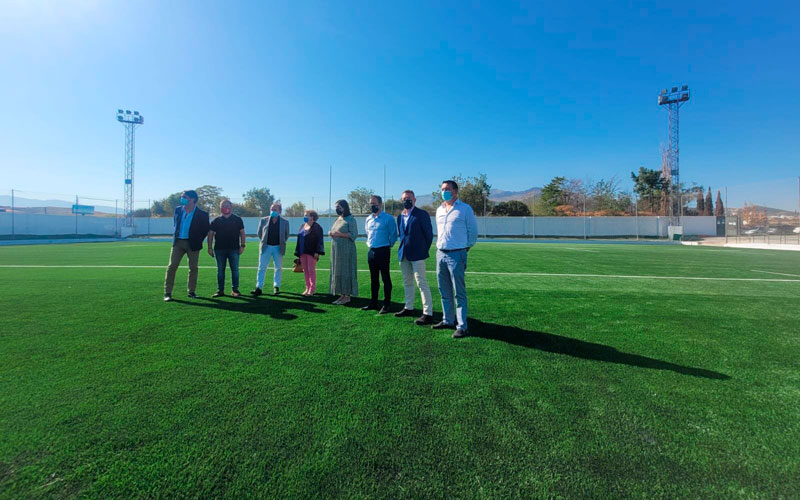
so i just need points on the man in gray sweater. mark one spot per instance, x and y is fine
(273, 231)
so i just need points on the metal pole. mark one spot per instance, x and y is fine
(533, 214)
(637, 217)
(330, 197)
(76, 214)
(12, 212)
(116, 217)
(149, 214)
(584, 217)
(312, 203)
(384, 182)
(725, 215)
(484, 218)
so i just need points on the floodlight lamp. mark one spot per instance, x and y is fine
(674, 89)
(135, 112)
(119, 111)
(127, 111)
(685, 87)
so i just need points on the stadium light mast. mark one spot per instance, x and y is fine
(130, 120)
(673, 99)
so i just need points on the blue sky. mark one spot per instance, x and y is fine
(271, 94)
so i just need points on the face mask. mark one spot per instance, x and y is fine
(407, 204)
(447, 195)
(339, 211)
(305, 219)
(184, 201)
(374, 208)
(273, 214)
(225, 210)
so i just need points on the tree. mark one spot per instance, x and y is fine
(709, 204)
(297, 209)
(511, 208)
(244, 211)
(720, 209)
(607, 199)
(701, 203)
(259, 200)
(475, 191)
(392, 206)
(653, 189)
(141, 212)
(359, 200)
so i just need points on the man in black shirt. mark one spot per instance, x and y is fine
(228, 229)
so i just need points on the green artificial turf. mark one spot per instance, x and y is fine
(569, 387)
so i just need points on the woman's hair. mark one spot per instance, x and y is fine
(345, 207)
(312, 215)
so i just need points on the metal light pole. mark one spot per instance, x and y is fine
(330, 197)
(584, 216)
(533, 215)
(130, 120)
(673, 99)
(636, 199)
(12, 212)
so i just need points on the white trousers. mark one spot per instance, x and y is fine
(415, 271)
(273, 253)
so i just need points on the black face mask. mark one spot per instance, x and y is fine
(408, 204)
(374, 208)
(339, 211)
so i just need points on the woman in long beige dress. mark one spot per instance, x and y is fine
(344, 270)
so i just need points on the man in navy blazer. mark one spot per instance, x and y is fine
(191, 228)
(416, 235)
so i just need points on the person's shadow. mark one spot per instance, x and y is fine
(558, 344)
(276, 307)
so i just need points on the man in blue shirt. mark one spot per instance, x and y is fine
(191, 228)
(381, 235)
(457, 232)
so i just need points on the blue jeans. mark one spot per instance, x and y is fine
(232, 257)
(450, 269)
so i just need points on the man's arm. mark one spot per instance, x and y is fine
(242, 240)
(427, 229)
(392, 232)
(210, 242)
(472, 228)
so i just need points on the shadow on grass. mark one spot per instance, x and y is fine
(274, 307)
(558, 344)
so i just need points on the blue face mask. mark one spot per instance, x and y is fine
(447, 195)
(273, 214)
(305, 219)
(184, 201)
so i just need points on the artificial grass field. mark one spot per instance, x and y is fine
(571, 386)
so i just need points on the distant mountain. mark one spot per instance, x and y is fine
(769, 211)
(497, 196)
(5, 200)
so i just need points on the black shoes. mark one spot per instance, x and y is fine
(256, 292)
(167, 297)
(276, 291)
(384, 310)
(404, 312)
(191, 295)
(236, 293)
(460, 333)
(442, 325)
(370, 307)
(218, 293)
(424, 320)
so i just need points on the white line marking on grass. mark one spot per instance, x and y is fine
(779, 274)
(582, 249)
(485, 273)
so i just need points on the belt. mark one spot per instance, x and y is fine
(451, 250)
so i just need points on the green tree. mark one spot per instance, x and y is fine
(258, 200)
(607, 197)
(243, 210)
(296, 209)
(701, 203)
(511, 208)
(652, 188)
(553, 194)
(720, 209)
(475, 191)
(392, 206)
(209, 198)
(359, 200)
(709, 204)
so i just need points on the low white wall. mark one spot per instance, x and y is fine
(574, 227)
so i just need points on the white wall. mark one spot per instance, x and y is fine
(37, 224)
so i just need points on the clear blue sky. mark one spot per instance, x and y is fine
(271, 94)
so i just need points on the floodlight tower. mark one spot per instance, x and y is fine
(130, 120)
(673, 100)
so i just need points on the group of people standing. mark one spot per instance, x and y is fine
(456, 227)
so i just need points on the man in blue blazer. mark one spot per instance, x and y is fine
(191, 228)
(416, 235)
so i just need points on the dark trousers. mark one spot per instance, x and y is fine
(231, 257)
(378, 260)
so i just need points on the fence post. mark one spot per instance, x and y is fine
(584, 217)
(149, 214)
(76, 214)
(636, 199)
(12, 212)
(533, 214)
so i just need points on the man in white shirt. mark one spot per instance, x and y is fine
(457, 232)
